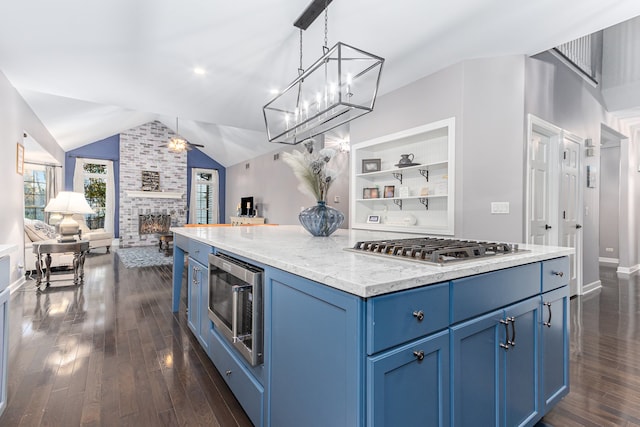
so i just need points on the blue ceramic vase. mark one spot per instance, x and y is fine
(321, 220)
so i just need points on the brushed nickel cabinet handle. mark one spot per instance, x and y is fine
(419, 355)
(548, 322)
(419, 314)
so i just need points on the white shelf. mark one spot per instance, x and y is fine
(387, 172)
(155, 194)
(382, 199)
(433, 147)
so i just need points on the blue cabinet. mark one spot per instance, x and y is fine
(554, 352)
(4, 346)
(198, 301)
(315, 349)
(495, 367)
(409, 385)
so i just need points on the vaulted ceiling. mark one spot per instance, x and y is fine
(92, 69)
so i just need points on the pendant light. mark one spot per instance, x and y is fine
(340, 86)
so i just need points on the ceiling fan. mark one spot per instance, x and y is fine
(178, 144)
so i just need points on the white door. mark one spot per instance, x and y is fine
(554, 192)
(570, 211)
(541, 230)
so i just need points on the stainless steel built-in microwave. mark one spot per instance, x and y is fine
(235, 304)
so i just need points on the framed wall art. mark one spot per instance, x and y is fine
(370, 165)
(150, 181)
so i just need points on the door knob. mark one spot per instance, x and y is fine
(578, 226)
(547, 227)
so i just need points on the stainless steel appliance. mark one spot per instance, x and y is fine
(235, 304)
(435, 251)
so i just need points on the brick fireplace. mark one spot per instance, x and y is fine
(143, 149)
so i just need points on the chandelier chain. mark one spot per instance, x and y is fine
(326, 23)
(300, 67)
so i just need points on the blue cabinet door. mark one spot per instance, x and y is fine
(193, 297)
(198, 299)
(496, 367)
(409, 385)
(521, 364)
(555, 347)
(477, 357)
(314, 340)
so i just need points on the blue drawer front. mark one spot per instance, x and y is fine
(181, 242)
(245, 388)
(475, 295)
(391, 320)
(555, 273)
(200, 251)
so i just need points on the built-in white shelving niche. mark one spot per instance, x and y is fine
(422, 200)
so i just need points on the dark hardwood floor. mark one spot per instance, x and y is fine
(605, 356)
(111, 353)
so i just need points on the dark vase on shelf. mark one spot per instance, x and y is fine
(321, 220)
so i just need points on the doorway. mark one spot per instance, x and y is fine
(615, 243)
(554, 193)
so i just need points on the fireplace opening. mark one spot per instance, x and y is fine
(154, 223)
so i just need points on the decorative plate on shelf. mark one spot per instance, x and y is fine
(405, 165)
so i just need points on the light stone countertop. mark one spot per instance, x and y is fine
(324, 260)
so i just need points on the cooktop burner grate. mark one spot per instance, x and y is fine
(434, 250)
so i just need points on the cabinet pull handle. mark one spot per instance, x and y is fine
(228, 372)
(419, 314)
(512, 341)
(558, 273)
(507, 343)
(548, 322)
(419, 355)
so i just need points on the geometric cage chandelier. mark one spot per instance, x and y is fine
(340, 86)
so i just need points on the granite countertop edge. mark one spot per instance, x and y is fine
(324, 260)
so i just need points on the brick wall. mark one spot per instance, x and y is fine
(145, 149)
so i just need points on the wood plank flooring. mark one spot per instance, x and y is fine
(111, 353)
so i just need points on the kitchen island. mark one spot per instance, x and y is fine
(353, 339)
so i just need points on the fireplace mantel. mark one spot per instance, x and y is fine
(155, 194)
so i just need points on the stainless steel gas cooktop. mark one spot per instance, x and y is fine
(435, 251)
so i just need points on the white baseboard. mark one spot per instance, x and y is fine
(593, 286)
(609, 260)
(17, 284)
(628, 270)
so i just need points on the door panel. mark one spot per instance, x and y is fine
(539, 155)
(570, 210)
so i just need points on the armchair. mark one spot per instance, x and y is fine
(97, 238)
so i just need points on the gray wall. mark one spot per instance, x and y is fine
(486, 96)
(609, 200)
(558, 95)
(274, 187)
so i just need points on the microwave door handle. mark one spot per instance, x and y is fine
(234, 314)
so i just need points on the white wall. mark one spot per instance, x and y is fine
(16, 118)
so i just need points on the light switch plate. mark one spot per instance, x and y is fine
(499, 207)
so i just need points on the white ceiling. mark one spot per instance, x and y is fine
(92, 69)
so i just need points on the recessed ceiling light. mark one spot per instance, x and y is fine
(274, 91)
(199, 71)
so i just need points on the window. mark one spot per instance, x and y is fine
(204, 196)
(95, 191)
(35, 195)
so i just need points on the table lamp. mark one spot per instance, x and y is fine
(68, 203)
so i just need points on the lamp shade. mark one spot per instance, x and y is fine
(341, 86)
(69, 202)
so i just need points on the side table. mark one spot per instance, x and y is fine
(48, 247)
(165, 240)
